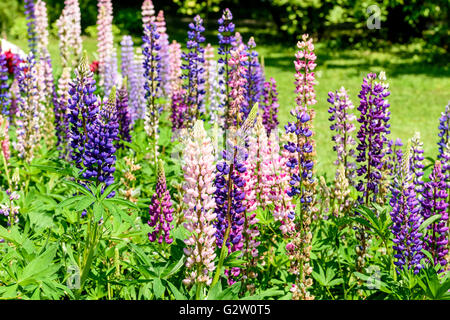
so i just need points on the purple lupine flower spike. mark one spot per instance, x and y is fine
(270, 106)
(82, 109)
(5, 97)
(254, 85)
(31, 18)
(416, 166)
(123, 114)
(194, 65)
(406, 218)
(161, 211)
(342, 119)
(371, 136)
(434, 202)
(98, 157)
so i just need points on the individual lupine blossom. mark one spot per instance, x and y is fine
(31, 18)
(199, 210)
(194, 65)
(4, 138)
(237, 84)
(82, 109)
(175, 67)
(61, 112)
(29, 111)
(152, 73)
(5, 96)
(301, 164)
(105, 44)
(226, 40)
(160, 210)
(123, 116)
(342, 119)
(416, 166)
(164, 54)
(406, 219)
(371, 136)
(139, 112)
(434, 202)
(254, 85)
(270, 105)
(148, 12)
(98, 156)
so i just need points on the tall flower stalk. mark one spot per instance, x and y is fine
(152, 73)
(199, 212)
(301, 146)
(342, 123)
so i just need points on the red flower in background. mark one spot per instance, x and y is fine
(12, 61)
(94, 66)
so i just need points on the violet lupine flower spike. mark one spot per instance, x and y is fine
(230, 192)
(374, 119)
(164, 54)
(152, 68)
(270, 106)
(123, 114)
(444, 131)
(200, 205)
(342, 123)
(82, 108)
(406, 219)
(301, 163)
(61, 113)
(5, 96)
(31, 18)
(99, 150)
(226, 40)
(161, 210)
(194, 66)
(255, 83)
(434, 202)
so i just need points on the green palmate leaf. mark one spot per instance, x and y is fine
(69, 201)
(98, 211)
(122, 202)
(80, 188)
(84, 203)
(230, 293)
(158, 288)
(108, 190)
(176, 293)
(429, 221)
(215, 291)
(39, 268)
(233, 260)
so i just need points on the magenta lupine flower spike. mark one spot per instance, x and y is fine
(434, 202)
(342, 119)
(372, 133)
(237, 84)
(199, 206)
(270, 105)
(161, 210)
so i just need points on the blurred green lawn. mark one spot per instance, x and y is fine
(419, 91)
